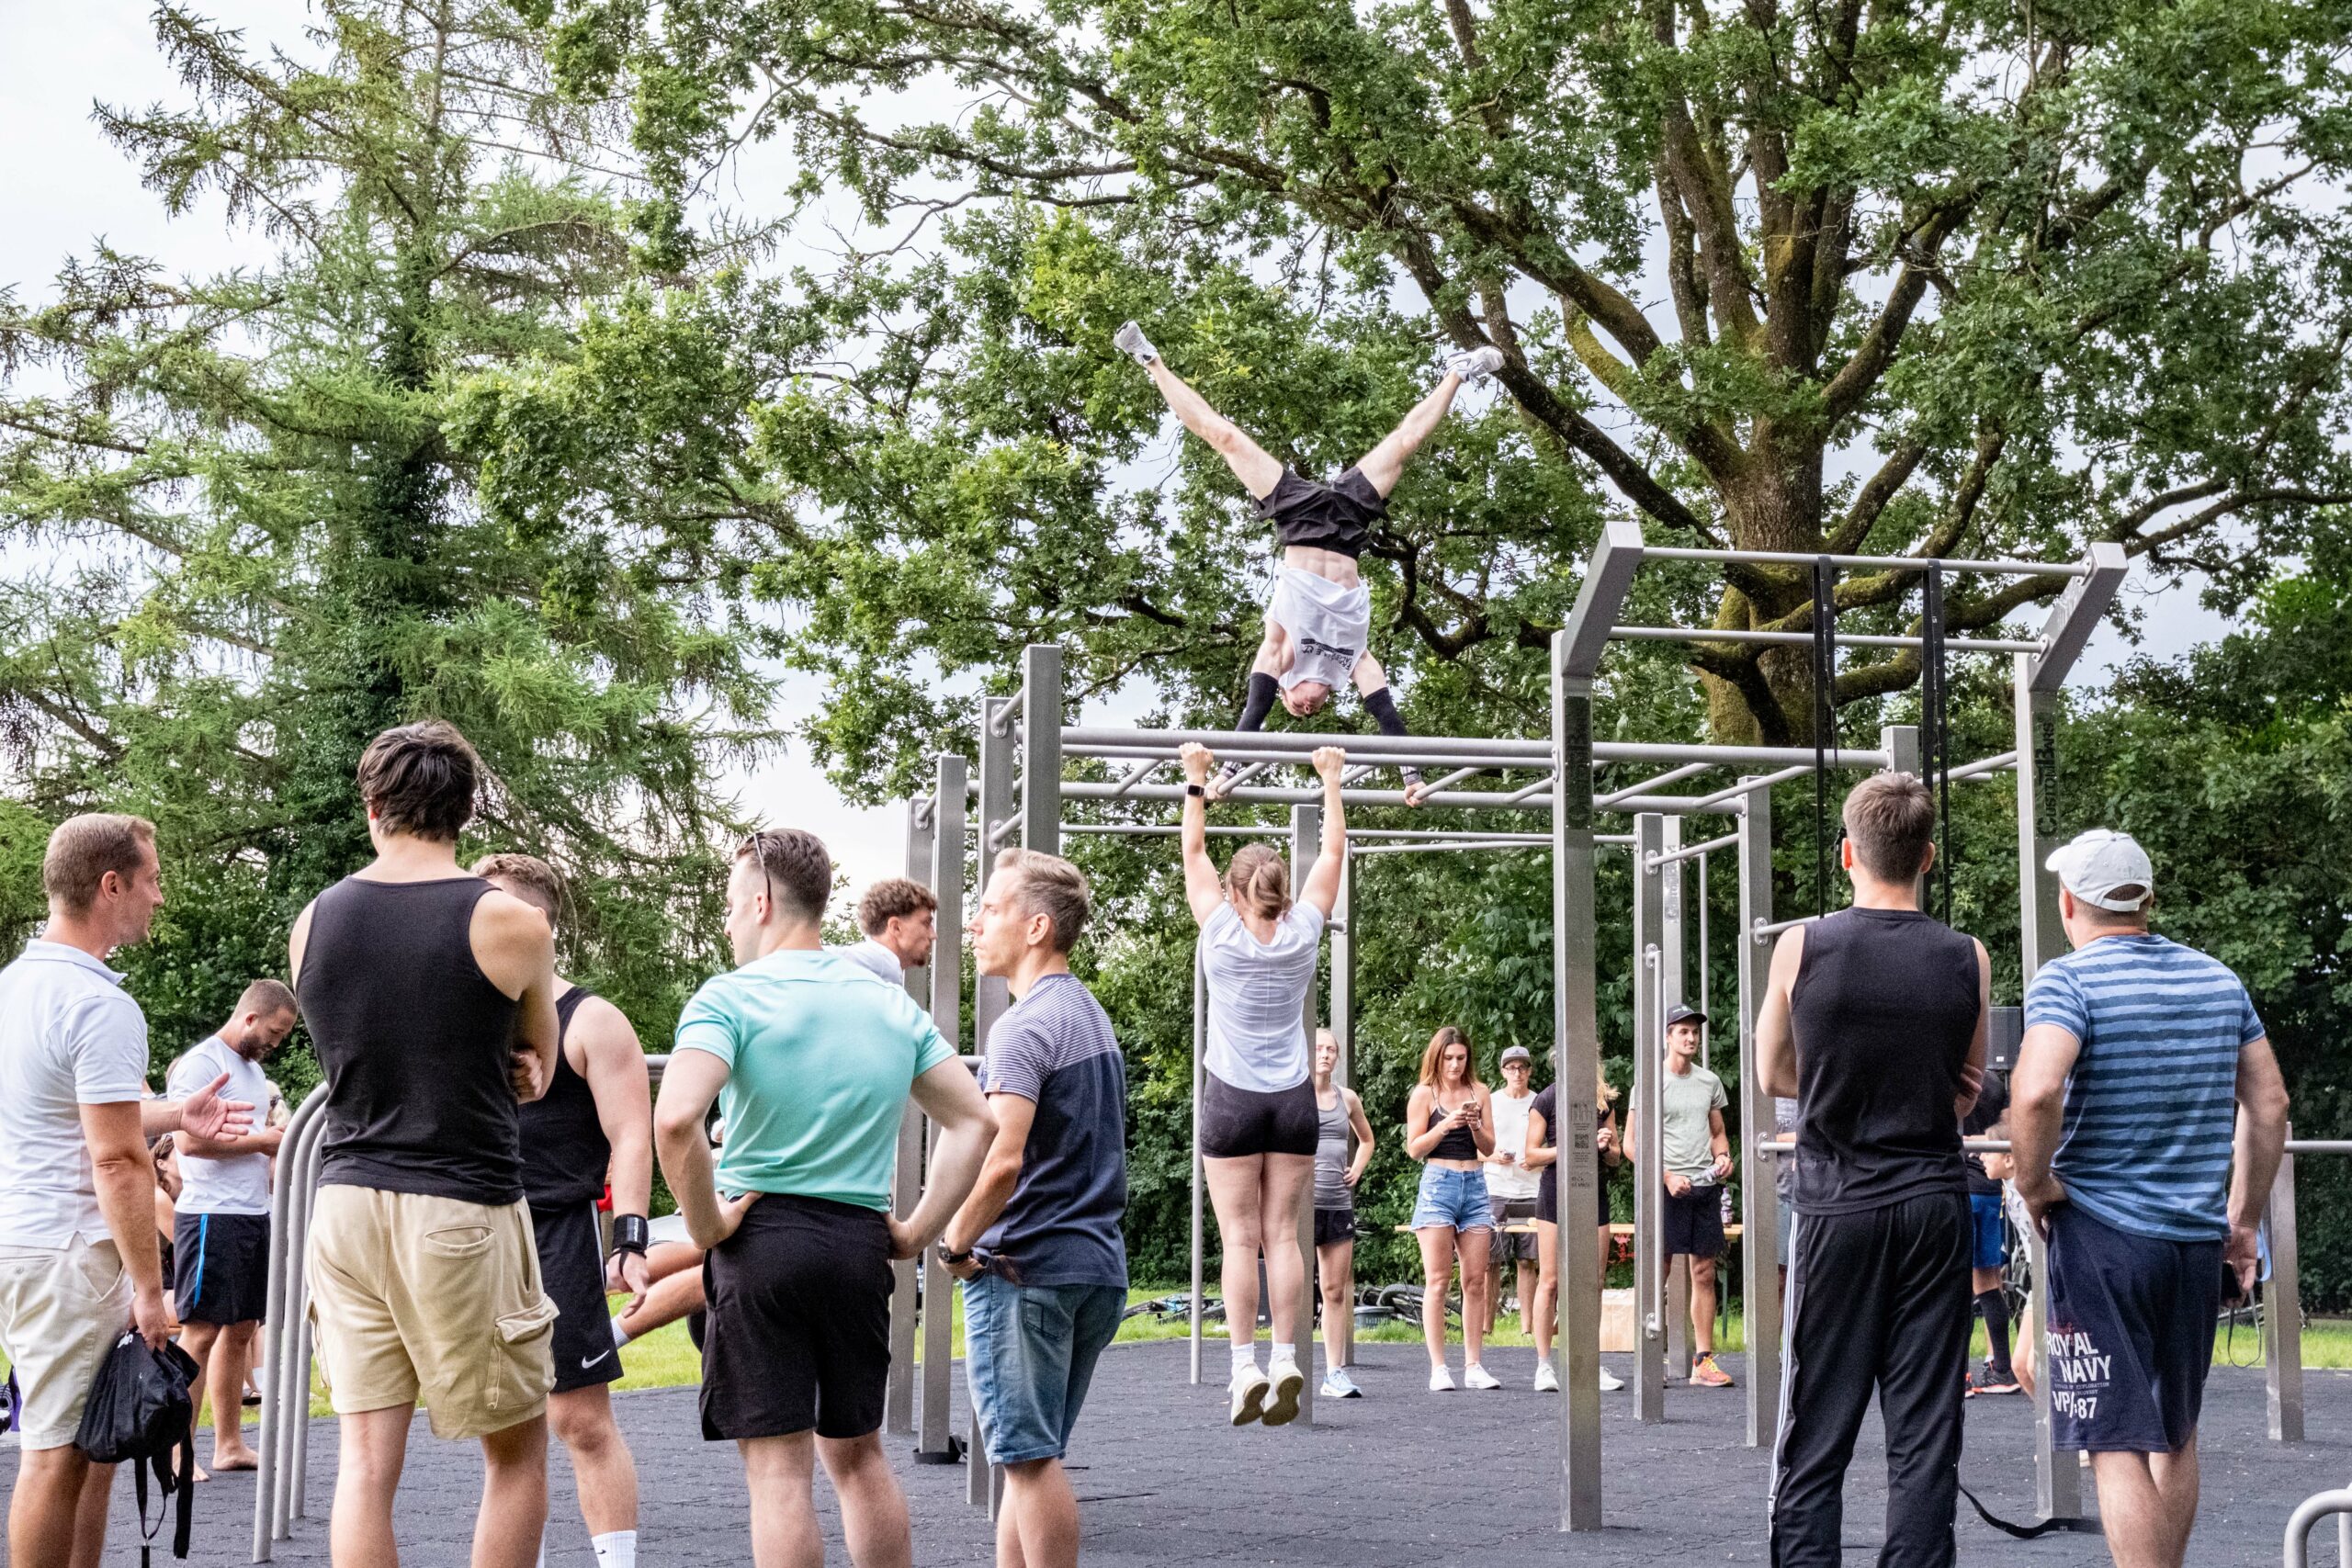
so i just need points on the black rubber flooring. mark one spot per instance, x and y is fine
(1402, 1477)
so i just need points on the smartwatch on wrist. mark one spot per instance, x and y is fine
(954, 1260)
(631, 1233)
(1201, 790)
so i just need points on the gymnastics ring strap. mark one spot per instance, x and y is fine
(2024, 1532)
(1825, 719)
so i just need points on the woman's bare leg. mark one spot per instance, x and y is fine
(1437, 1278)
(1474, 1245)
(1233, 1194)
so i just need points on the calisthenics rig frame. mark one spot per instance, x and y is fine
(1022, 795)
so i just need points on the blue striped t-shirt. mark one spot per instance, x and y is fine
(1062, 1225)
(2153, 1100)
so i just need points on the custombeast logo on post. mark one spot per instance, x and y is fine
(2079, 1372)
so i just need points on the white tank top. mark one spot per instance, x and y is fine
(1329, 627)
(1510, 1138)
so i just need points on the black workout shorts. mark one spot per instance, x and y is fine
(799, 1328)
(572, 1272)
(1334, 1225)
(1336, 516)
(220, 1272)
(1237, 1123)
(1693, 1223)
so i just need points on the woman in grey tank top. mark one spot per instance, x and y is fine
(1338, 1111)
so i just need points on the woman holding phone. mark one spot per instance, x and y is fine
(1543, 1154)
(1258, 1123)
(1449, 1122)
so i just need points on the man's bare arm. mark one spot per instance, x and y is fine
(2038, 1107)
(1980, 1048)
(124, 1175)
(613, 1061)
(948, 1095)
(516, 951)
(690, 1086)
(1776, 1040)
(2261, 1138)
(1000, 1172)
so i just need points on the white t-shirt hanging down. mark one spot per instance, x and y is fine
(1257, 1033)
(1328, 626)
(239, 1185)
(1513, 1181)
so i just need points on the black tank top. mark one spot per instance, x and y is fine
(1884, 1009)
(1457, 1143)
(416, 1042)
(565, 1151)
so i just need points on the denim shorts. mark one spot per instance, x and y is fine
(1030, 1351)
(1455, 1198)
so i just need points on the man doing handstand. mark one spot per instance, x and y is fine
(1318, 624)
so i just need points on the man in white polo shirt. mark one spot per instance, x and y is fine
(78, 1259)
(220, 1230)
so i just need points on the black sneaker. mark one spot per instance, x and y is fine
(1990, 1383)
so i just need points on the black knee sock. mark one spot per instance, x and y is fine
(1993, 1306)
(1382, 705)
(1263, 690)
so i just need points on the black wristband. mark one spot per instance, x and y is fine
(631, 1233)
(954, 1260)
(1201, 790)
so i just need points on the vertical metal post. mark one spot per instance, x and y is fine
(1200, 1050)
(1900, 744)
(906, 1182)
(1575, 1065)
(1671, 967)
(1003, 796)
(1758, 1188)
(1041, 748)
(2058, 1479)
(932, 1439)
(2282, 1312)
(1306, 848)
(1706, 977)
(1649, 1182)
(1343, 974)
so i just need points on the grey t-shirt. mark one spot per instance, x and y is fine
(1055, 1048)
(1688, 1147)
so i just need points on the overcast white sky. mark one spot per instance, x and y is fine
(61, 187)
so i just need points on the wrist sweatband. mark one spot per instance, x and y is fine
(631, 1233)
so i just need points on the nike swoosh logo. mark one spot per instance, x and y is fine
(588, 1361)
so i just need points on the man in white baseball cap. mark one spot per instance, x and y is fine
(2107, 870)
(2140, 1058)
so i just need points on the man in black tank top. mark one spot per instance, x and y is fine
(1875, 1021)
(430, 996)
(594, 1122)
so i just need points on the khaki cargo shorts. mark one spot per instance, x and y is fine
(62, 1308)
(421, 1298)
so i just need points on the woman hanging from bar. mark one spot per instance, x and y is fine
(1318, 624)
(1257, 1115)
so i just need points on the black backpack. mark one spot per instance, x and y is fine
(141, 1414)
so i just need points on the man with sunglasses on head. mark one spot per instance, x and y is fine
(811, 1064)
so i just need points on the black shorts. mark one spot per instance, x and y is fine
(221, 1267)
(1334, 1225)
(1237, 1123)
(2131, 1336)
(572, 1272)
(1510, 1243)
(1695, 1223)
(1336, 516)
(799, 1328)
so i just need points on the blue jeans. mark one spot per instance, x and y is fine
(1030, 1351)
(1455, 1198)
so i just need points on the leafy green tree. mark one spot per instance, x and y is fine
(242, 519)
(1949, 279)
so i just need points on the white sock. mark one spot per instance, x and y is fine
(1330, 1357)
(1245, 1358)
(543, 1552)
(620, 1337)
(615, 1549)
(1286, 1355)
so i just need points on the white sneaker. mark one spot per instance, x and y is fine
(1337, 1384)
(1440, 1380)
(1282, 1402)
(1248, 1390)
(1129, 340)
(1546, 1380)
(1610, 1382)
(1475, 1375)
(1472, 365)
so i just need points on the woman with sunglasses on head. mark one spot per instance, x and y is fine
(1450, 1123)
(1257, 1114)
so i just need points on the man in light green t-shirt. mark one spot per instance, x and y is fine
(811, 1063)
(1694, 1152)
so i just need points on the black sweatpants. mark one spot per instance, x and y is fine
(1878, 1300)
